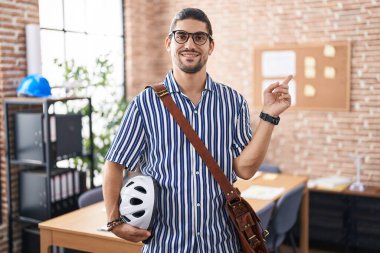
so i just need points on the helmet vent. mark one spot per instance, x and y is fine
(138, 214)
(140, 189)
(130, 183)
(136, 201)
(126, 218)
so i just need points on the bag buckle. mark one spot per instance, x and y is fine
(162, 93)
(254, 240)
(265, 233)
(234, 201)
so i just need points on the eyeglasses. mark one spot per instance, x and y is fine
(199, 38)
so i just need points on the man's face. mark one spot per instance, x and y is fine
(189, 57)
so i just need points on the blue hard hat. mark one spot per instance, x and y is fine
(34, 86)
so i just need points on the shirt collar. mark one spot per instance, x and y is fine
(172, 86)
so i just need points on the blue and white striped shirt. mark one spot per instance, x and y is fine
(191, 215)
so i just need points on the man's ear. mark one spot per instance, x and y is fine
(212, 45)
(167, 43)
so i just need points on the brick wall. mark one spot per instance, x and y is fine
(146, 61)
(14, 15)
(306, 142)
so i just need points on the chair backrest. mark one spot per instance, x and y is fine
(90, 197)
(286, 210)
(269, 168)
(265, 214)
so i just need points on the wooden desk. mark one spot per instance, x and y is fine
(288, 182)
(79, 229)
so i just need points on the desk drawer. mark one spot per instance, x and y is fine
(332, 203)
(327, 235)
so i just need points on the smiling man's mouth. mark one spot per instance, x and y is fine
(189, 54)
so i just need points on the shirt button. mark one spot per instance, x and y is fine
(197, 172)
(195, 111)
(198, 204)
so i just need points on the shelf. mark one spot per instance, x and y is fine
(29, 220)
(32, 100)
(39, 163)
(28, 162)
(42, 145)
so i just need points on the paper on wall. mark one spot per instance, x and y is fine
(278, 63)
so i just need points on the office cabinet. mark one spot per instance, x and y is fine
(327, 218)
(345, 221)
(37, 138)
(365, 223)
(65, 136)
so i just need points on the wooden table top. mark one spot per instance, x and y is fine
(89, 220)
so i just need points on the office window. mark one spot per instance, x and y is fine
(82, 30)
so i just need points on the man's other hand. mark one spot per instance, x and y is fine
(131, 233)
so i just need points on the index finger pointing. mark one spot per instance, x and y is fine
(287, 80)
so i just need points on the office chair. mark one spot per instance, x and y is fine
(265, 214)
(90, 197)
(283, 219)
(269, 168)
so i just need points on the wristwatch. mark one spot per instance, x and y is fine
(270, 119)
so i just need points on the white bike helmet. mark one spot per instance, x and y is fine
(138, 201)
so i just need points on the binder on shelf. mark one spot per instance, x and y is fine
(57, 187)
(70, 183)
(76, 182)
(52, 191)
(66, 185)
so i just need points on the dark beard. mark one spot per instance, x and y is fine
(191, 70)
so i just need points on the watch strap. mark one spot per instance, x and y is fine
(266, 117)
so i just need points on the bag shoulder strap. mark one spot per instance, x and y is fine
(230, 192)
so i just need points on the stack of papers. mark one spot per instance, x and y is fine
(262, 192)
(332, 183)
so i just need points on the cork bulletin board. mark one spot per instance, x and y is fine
(321, 74)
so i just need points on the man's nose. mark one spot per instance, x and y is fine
(190, 42)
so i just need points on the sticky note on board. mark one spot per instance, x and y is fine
(310, 72)
(329, 72)
(329, 51)
(309, 61)
(309, 90)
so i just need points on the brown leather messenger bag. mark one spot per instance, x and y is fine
(243, 217)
